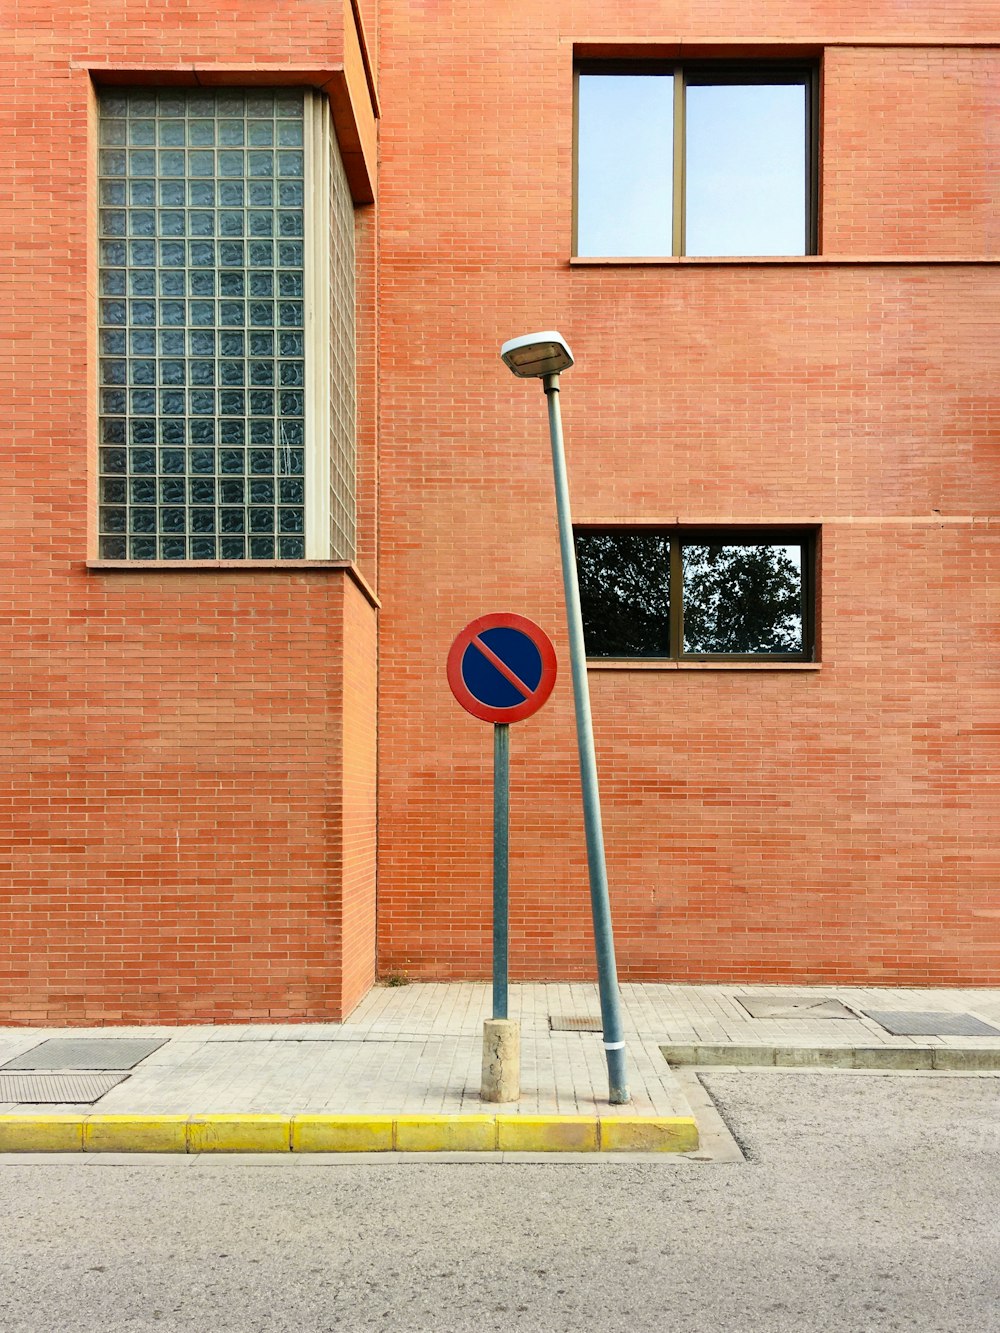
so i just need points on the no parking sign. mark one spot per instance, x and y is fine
(502, 668)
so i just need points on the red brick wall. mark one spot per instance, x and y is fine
(910, 151)
(187, 766)
(358, 767)
(173, 756)
(175, 800)
(772, 825)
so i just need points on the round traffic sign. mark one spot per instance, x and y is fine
(502, 667)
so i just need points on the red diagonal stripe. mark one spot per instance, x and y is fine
(502, 667)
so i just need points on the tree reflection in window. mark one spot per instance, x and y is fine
(742, 599)
(739, 597)
(624, 592)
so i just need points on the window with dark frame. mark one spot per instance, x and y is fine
(698, 159)
(696, 594)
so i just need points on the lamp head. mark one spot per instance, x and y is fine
(534, 355)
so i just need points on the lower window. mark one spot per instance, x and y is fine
(697, 593)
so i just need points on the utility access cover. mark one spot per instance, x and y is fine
(570, 1023)
(904, 1023)
(56, 1089)
(793, 1006)
(87, 1053)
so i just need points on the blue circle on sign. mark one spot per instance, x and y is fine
(488, 676)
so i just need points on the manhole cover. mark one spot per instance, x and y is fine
(572, 1023)
(793, 1006)
(87, 1053)
(72, 1089)
(927, 1024)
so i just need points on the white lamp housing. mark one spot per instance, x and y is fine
(536, 354)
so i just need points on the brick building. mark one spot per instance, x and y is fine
(263, 463)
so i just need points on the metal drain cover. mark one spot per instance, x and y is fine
(904, 1023)
(87, 1053)
(72, 1089)
(571, 1023)
(793, 1006)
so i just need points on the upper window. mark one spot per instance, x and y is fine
(215, 430)
(726, 593)
(709, 160)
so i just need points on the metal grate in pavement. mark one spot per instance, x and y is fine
(71, 1089)
(794, 1006)
(574, 1023)
(67, 1053)
(907, 1023)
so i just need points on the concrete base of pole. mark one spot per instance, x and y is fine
(501, 1060)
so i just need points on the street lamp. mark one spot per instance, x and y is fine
(544, 356)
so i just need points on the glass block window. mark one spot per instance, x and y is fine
(343, 406)
(203, 364)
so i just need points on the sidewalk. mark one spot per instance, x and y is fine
(404, 1071)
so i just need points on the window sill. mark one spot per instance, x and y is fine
(765, 261)
(663, 664)
(237, 567)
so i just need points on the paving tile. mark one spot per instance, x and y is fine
(418, 1047)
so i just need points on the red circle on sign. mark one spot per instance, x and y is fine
(534, 696)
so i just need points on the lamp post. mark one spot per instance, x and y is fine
(544, 356)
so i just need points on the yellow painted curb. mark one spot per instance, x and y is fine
(677, 1133)
(41, 1133)
(135, 1133)
(239, 1133)
(342, 1133)
(547, 1133)
(446, 1133)
(250, 1133)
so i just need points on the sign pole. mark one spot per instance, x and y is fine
(501, 668)
(501, 846)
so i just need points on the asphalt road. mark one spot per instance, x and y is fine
(868, 1203)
